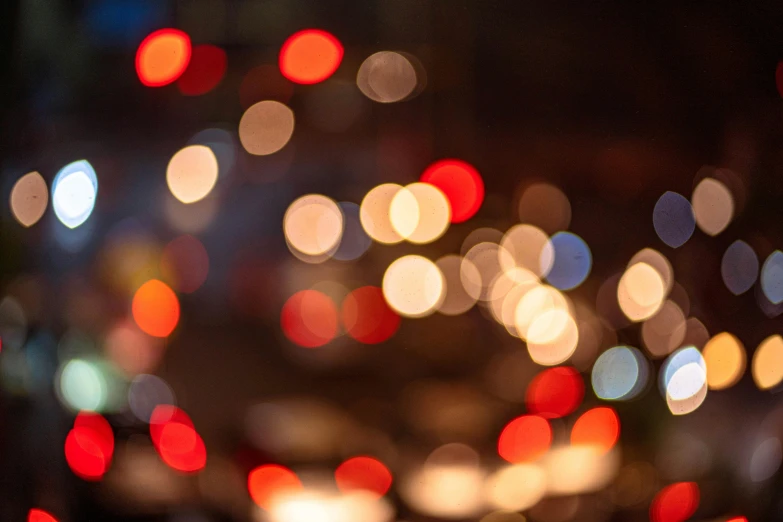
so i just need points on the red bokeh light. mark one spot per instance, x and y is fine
(675, 503)
(461, 183)
(185, 263)
(364, 473)
(164, 414)
(102, 433)
(269, 480)
(524, 439)
(309, 319)
(738, 519)
(162, 57)
(39, 515)
(599, 427)
(155, 308)
(555, 392)
(366, 317)
(84, 454)
(310, 56)
(206, 69)
(176, 440)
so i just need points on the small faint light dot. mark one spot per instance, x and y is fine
(147, 392)
(768, 362)
(420, 213)
(269, 481)
(570, 261)
(725, 359)
(524, 439)
(363, 473)
(673, 219)
(772, 277)
(366, 317)
(413, 286)
(713, 206)
(313, 226)
(374, 214)
(675, 503)
(457, 300)
(461, 183)
(739, 267)
(515, 488)
(620, 373)
(266, 127)
(555, 392)
(206, 69)
(546, 207)
(640, 292)
(82, 386)
(39, 515)
(185, 263)
(526, 246)
(156, 308)
(29, 199)
(309, 319)
(310, 56)
(386, 77)
(664, 332)
(598, 427)
(162, 57)
(74, 190)
(766, 459)
(192, 173)
(354, 241)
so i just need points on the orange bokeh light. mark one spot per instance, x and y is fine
(162, 57)
(366, 317)
(207, 67)
(310, 56)
(738, 519)
(363, 473)
(461, 183)
(267, 481)
(524, 439)
(156, 308)
(309, 318)
(675, 503)
(39, 515)
(555, 392)
(598, 427)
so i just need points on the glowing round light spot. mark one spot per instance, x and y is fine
(772, 277)
(420, 213)
(82, 386)
(486, 258)
(665, 331)
(673, 219)
(516, 487)
(413, 286)
(310, 56)
(156, 308)
(354, 241)
(433, 488)
(131, 350)
(462, 185)
(573, 470)
(555, 392)
(524, 439)
(739, 267)
(74, 190)
(570, 261)
(363, 473)
(185, 263)
(559, 346)
(375, 216)
(101, 431)
(537, 302)
(597, 427)
(766, 460)
(266, 127)
(675, 503)
(366, 317)
(768, 363)
(684, 380)
(162, 57)
(526, 246)
(39, 515)
(309, 319)
(313, 226)
(640, 292)
(546, 207)
(206, 69)
(268, 482)
(147, 392)
(725, 359)
(659, 262)
(386, 77)
(29, 198)
(713, 206)
(620, 373)
(84, 453)
(181, 447)
(457, 300)
(192, 173)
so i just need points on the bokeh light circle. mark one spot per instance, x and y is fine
(555, 392)
(386, 77)
(269, 481)
(29, 198)
(366, 317)
(420, 213)
(309, 319)
(313, 225)
(524, 439)
(524, 246)
(640, 292)
(739, 267)
(545, 206)
(39, 515)
(413, 286)
(684, 380)
(767, 366)
(570, 261)
(74, 191)
(461, 183)
(620, 373)
(266, 127)
(310, 56)
(713, 206)
(457, 300)
(206, 69)
(374, 213)
(192, 173)
(82, 386)
(675, 503)
(725, 358)
(673, 219)
(772, 277)
(162, 57)
(597, 427)
(155, 308)
(365, 474)
(514, 488)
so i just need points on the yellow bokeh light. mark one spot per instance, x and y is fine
(374, 214)
(640, 292)
(413, 286)
(266, 127)
(29, 198)
(713, 206)
(192, 173)
(516, 487)
(420, 213)
(313, 226)
(561, 335)
(505, 283)
(725, 358)
(658, 261)
(456, 300)
(768, 363)
(386, 77)
(535, 302)
(526, 246)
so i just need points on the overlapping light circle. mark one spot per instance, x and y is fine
(420, 213)
(313, 227)
(413, 286)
